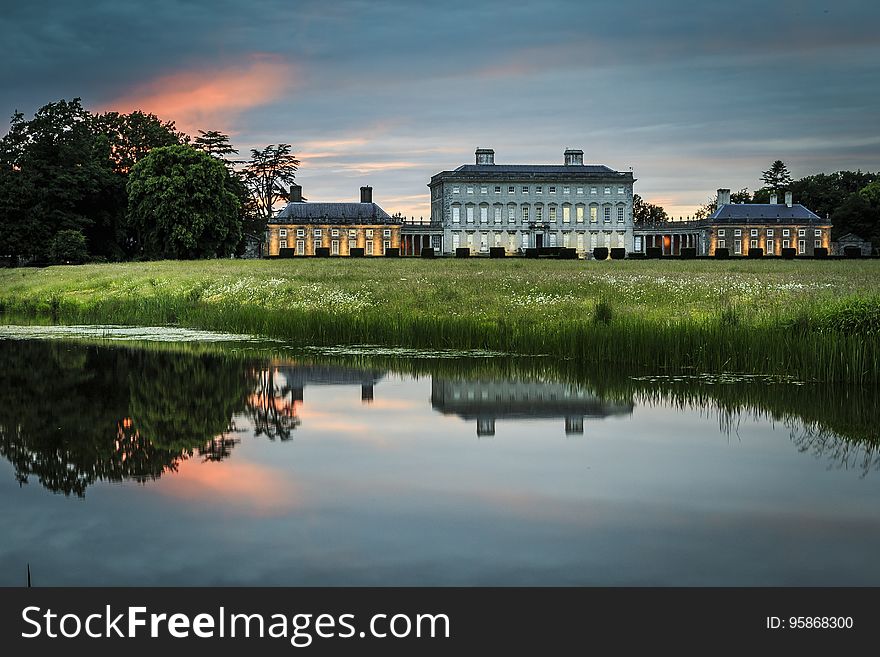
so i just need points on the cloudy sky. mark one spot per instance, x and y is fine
(692, 96)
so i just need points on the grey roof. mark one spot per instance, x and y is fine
(765, 212)
(333, 213)
(538, 171)
(851, 237)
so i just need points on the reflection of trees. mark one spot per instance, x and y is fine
(273, 407)
(71, 415)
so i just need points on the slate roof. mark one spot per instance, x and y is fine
(765, 213)
(536, 171)
(333, 213)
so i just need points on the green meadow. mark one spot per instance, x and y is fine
(809, 320)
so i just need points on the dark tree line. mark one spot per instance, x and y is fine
(77, 186)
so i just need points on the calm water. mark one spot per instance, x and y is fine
(209, 464)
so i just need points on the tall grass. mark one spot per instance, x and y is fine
(815, 321)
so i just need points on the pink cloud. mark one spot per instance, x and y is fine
(210, 98)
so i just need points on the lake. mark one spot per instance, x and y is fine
(138, 457)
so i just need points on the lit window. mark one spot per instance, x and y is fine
(352, 244)
(594, 214)
(817, 244)
(456, 214)
(721, 244)
(469, 212)
(620, 214)
(770, 247)
(580, 214)
(511, 214)
(369, 250)
(785, 232)
(282, 244)
(470, 189)
(484, 214)
(737, 246)
(552, 213)
(385, 246)
(607, 214)
(317, 232)
(369, 232)
(335, 232)
(620, 190)
(352, 232)
(754, 232)
(301, 247)
(334, 247)
(566, 190)
(753, 244)
(317, 245)
(769, 232)
(817, 233)
(282, 232)
(484, 190)
(566, 214)
(539, 189)
(386, 232)
(607, 190)
(300, 232)
(801, 232)
(720, 232)
(455, 189)
(580, 190)
(737, 232)
(497, 214)
(594, 190)
(525, 213)
(539, 213)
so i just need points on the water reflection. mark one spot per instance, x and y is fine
(486, 401)
(73, 414)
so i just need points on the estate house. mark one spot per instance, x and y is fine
(519, 206)
(304, 228)
(770, 227)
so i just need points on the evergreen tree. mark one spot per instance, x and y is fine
(777, 177)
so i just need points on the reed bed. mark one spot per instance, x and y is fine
(816, 321)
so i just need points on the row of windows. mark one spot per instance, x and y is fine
(524, 241)
(553, 214)
(770, 245)
(300, 248)
(539, 189)
(334, 232)
(755, 232)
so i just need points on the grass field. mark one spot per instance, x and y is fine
(810, 320)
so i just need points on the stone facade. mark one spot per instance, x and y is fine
(304, 227)
(486, 205)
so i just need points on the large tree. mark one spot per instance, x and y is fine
(266, 174)
(777, 177)
(181, 204)
(644, 212)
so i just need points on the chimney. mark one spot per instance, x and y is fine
(774, 199)
(788, 199)
(366, 194)
(574, 158)
(296, 194)
(485, 156)
(723, 197)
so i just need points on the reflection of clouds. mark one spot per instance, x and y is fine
(235, 486)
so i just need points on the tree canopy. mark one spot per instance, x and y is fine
(181, 204)
(777, 177)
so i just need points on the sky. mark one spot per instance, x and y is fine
(691, 96)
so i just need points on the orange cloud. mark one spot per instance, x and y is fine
(230, 485)
(209, 99)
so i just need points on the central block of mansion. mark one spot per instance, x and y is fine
(518, 206)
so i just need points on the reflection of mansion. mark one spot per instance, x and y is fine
(297, 377)
(488, 401)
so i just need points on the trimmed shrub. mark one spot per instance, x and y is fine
(618, 253)
(722, 253)
(462, 252)
(820, 252)
(654, 252)
(392, 253)
(756, 253)
(322, 252)
(531, 253)
(428, 252)
(789, 253)
(567, 253)
(549, 250)
(286, 253)
(635, 255)
(496, 252)
(688, 252)
(356, 252)
(600, 253)
(852, 251)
